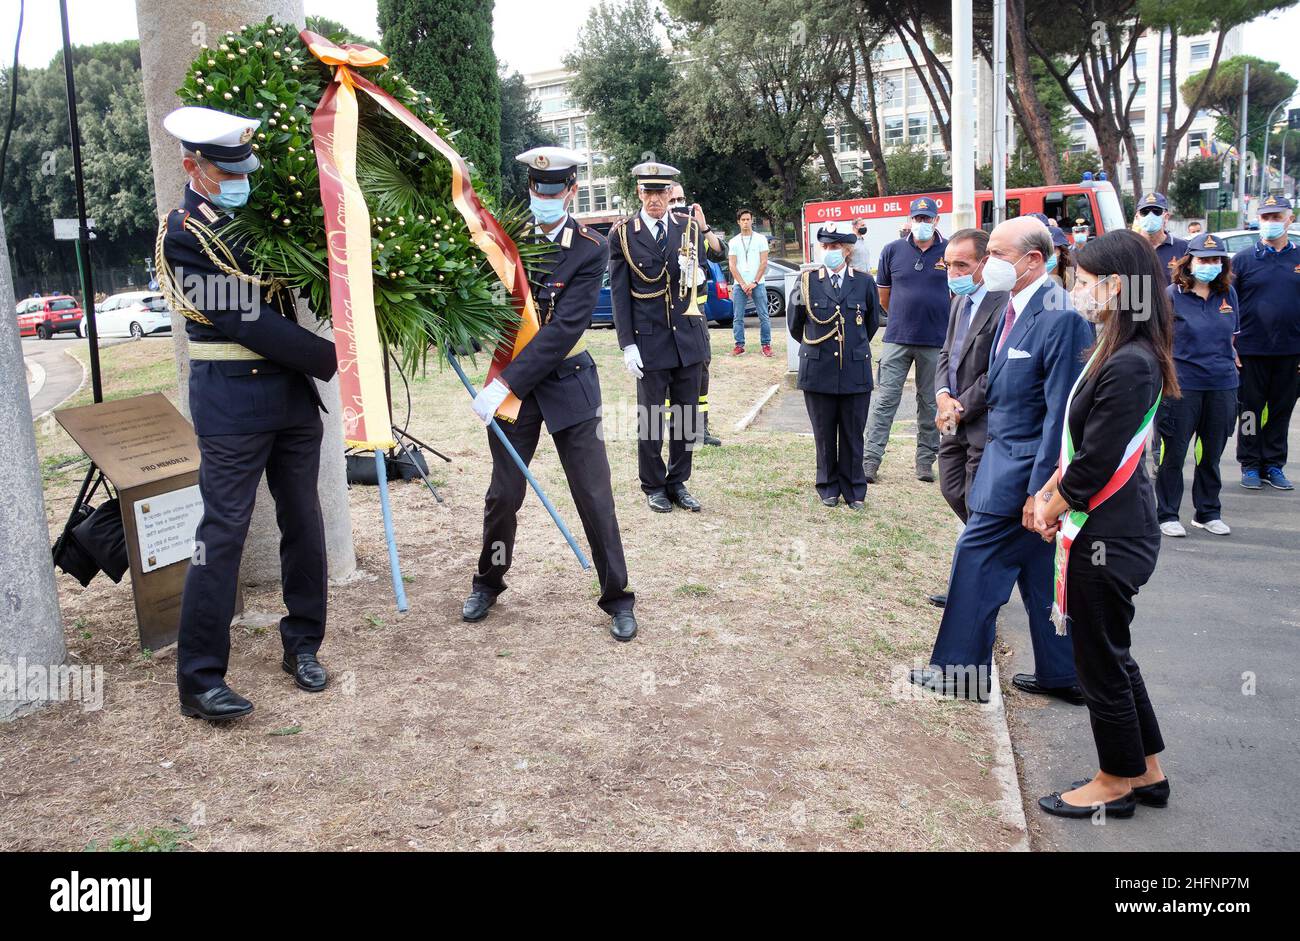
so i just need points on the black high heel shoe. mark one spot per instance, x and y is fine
(1055, 805)
(1151, 795)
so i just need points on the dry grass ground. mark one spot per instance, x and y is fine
(757, 709)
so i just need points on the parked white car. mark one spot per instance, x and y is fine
(131, 314)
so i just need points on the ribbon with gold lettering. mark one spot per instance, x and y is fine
(347, 223)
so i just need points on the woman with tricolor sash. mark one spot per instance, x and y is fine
(1100, 508)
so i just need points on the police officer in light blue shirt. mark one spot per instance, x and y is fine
(1206, 320)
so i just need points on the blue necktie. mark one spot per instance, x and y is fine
(958, 341)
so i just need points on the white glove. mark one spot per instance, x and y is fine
(489, 399)
(632, 360)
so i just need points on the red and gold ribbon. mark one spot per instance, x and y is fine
(347, 224)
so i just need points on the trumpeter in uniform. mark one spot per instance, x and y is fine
(555, 379)
(653, 257)
(834, 313)
(255, 410)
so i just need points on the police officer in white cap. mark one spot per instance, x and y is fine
(255, 410)
(555, 379)
(653, 258)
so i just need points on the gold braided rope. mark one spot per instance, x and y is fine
(837, 318)
(663, 276)
(206, 238)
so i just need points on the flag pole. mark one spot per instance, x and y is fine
(519, 462)
(399, 589)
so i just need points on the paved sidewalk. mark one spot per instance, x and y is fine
(1218, 611)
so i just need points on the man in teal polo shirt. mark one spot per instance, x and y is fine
(913, 283)
(1268, 290)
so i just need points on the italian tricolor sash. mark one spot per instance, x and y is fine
(1073, 520)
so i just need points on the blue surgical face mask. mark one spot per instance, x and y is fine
(1271, 230)
(1152, 222)
(1051, 262)
(1206, 273)
(923, 231)
(963, 285)
(546, 211)
(833, 258)
(234, 193)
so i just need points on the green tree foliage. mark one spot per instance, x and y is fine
(1269, 87)
(1185, 185)
(38, 184)
(520, 131)
(444, 47)
(911, 170)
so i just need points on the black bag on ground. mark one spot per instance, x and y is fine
(103, 537)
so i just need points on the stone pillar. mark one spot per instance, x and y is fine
(31, 627)
(171, 32)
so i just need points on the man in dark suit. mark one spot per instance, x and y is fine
(1036, 356)
(963, 368)
(834, 313)
(255, 410)
(653, 259)
(555, 379)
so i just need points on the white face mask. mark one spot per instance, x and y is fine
(1000, 274)
(1085, 302)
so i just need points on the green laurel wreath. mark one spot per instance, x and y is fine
(431, 284)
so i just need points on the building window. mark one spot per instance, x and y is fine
(562, 133)
(1078, 126)
(1078, 148)
(1140, 60)
(915, 94)
(848, 138)
(1200, 52)
(599, 198)
(891, 90)
(584, 199)
(918, 127)
(1140, 142)
(893, 130)
(580, 135)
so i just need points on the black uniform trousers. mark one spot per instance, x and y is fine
(1209, 416)
(1273, 381)
(838, 424)
(680, 386)
(1100, 602)
(229, 471)
(582, 454)
(959, 459)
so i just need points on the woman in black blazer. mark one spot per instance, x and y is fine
(1101, 505)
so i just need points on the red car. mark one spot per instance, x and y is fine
(45, 316)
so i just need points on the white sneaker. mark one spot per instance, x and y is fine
(1217, 527)
(1173, 528)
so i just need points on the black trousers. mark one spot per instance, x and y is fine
(1209, 417)
(838, 424)
(1100, 601)
(959, 459)
(680, 387)
(1272, 381)
(229, 470)
(582, 454)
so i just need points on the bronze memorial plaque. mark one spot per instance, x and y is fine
(148, 451)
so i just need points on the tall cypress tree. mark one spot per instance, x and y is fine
(445, 48)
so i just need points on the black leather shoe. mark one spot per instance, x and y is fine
(925, 472)
(1152, 795)
(623, 626)
(306, 671)
(476, 606)
(857, 505)
(1028, 683)
(711, 441)
(684, 500)
(659, 502)
(220, 704)
(830, 501)
(953, 687)
(939, 601)
(1055, 805)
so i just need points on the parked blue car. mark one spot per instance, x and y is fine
(717, 308)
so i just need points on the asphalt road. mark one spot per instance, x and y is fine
(1219, 611)
(63, 374)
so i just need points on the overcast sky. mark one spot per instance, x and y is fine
(525, 40)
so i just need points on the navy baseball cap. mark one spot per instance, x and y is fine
(1154, 201)
(924, 207)
(1274, 203)
(1206, 245)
